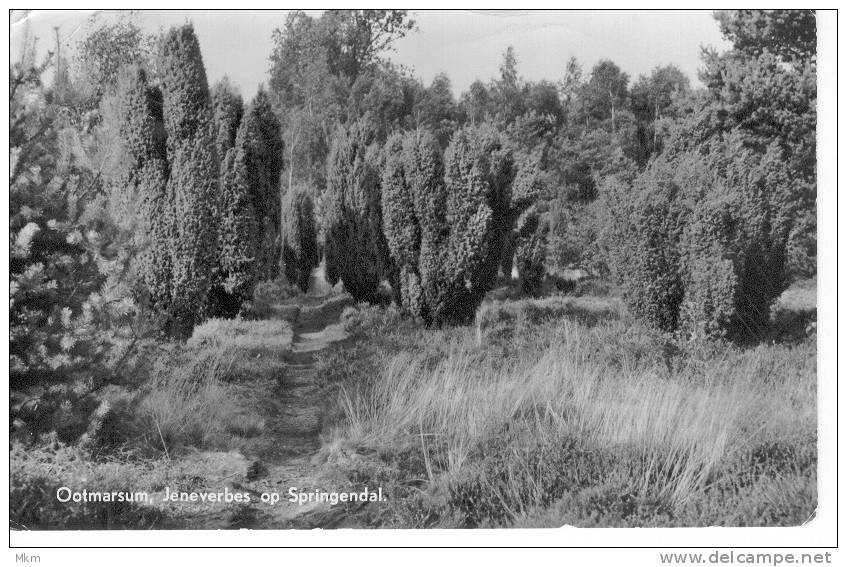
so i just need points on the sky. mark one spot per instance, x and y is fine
(466, 45)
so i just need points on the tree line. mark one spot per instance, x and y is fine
(144, 200)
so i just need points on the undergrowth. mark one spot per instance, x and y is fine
(563, 411)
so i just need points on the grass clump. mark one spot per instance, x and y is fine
(268, 295)
(274, 334)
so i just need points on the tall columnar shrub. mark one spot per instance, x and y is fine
(531, 250)
(299, 237)
(229, 109)
(355, 248)
(478, 175)
(141, 190)
(267, 164)
(529, 185)
(193, 181)
(412, 193)
(249, 245)
(239, 238)
(446, 221)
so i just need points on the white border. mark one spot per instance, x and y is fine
(819, 533)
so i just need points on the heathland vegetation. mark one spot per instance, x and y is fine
(587, 300)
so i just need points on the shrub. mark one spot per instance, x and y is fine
(243, 335)
(735, 250)
(229, 110)
(269, 293)
(193, 181)
(239, 238)
(641, 242)
(478, 176)
(699, 241)
(145, 206)
(446, 234)
(531, 251)
(412, 191)
(365, 317)
(249, 211)
(355, 248)
(72, 322)
(299, 237)
(266, 167)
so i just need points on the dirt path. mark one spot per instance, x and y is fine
(285, 454)
(288, 457)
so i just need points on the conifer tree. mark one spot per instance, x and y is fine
(145, 206)
(355, 248)
(412, 194)
(299, 241)
(530, 250)
(478, 177)
(266, 161)
(445, 220)
(229, 109)
(251, 189)
(193, 181)
(238, 234)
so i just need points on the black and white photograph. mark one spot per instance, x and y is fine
(397, 269)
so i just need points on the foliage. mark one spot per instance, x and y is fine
(697, 242)
(531, 251)
(299, 241)
(193, 181)
(606, 91)
(72, 322)
(330, 70)
(229, 109)
(435, 109)
(355, 248)
(266, 161)
(755, 96)
(640, 241)
(735, 246)
(100, 57)
(238, 235)
(653, 99)
(412, 191)
(446, 231)
(790, 34)
(478, 176)
(249, 209)
(709, 235)
(140, 195)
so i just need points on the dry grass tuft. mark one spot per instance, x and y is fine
(243, 334)
(192, 404)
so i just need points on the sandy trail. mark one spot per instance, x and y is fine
(285, 454)
(290, 459)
